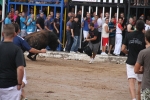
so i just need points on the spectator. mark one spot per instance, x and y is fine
(134, 21)
(18, 18)
(106, 15)
(75, 30)
(31, 12)
(95, 22)
(23, 22)
(40, 22)
(57, 24)
(79, 16)
(48, 23)
(93, 38)
(8, 19)
(52, 20)
(118, 39)
(85, 24)
(94, 14)
(147, 25)
(69, 15)
(69, 37)
(100, 23)
(135, 43)
(130, 27)
(31, 24)
(136, 2)
(15, 15)
(112, 35)
(123, 24)
(105, 36)
(11, 73)
(40, 11)
(143, 60)
(12, 14)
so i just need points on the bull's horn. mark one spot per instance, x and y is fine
(59, 42)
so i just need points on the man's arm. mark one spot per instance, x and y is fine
(129, 28)
(55, 26)
(124, 49)
(138, 69)
(107, 30)
(46, 24)
(20, 73)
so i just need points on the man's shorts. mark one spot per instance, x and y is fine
(10, 93)
(94, 47)
(112, 41)
(132, 74)
(145, 94)
(85, 34)
(105, 41)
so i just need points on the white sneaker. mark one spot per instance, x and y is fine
(104, 54)
(91, 61)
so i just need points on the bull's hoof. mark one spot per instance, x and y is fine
(33, 59)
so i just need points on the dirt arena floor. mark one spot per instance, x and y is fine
(58, 79)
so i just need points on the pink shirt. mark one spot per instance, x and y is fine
(15, 16)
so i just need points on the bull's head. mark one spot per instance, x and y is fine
(53, 41)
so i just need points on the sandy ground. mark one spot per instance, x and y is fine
(58, 79)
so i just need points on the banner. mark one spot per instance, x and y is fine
(85, 0)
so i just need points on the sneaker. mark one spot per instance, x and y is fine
(91, 61)
(72, 52)
(104, 54)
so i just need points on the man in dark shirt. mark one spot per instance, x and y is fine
(40, 22)
(75, 31)
(57, 24)
(20, 42)
(11, 66)
(93, 38)
(135, 43)
(0, 20)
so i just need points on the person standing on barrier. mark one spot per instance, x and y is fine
(93, 38)
(75, 31)
(11, 66)
(135, 42)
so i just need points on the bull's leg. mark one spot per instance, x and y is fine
(35, 57)
(30, 56)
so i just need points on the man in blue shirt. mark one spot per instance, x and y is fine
(31, 24)
(85, 25)
(8, 18)
(23, 22)
(48, 23)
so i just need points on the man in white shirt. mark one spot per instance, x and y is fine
(105, 36)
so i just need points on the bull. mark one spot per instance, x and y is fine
(40, 40)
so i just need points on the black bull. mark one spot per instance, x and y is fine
(40, 40)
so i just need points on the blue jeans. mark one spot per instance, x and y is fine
(69, 42)
(76, 43)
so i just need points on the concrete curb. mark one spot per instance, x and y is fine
(82, 56)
